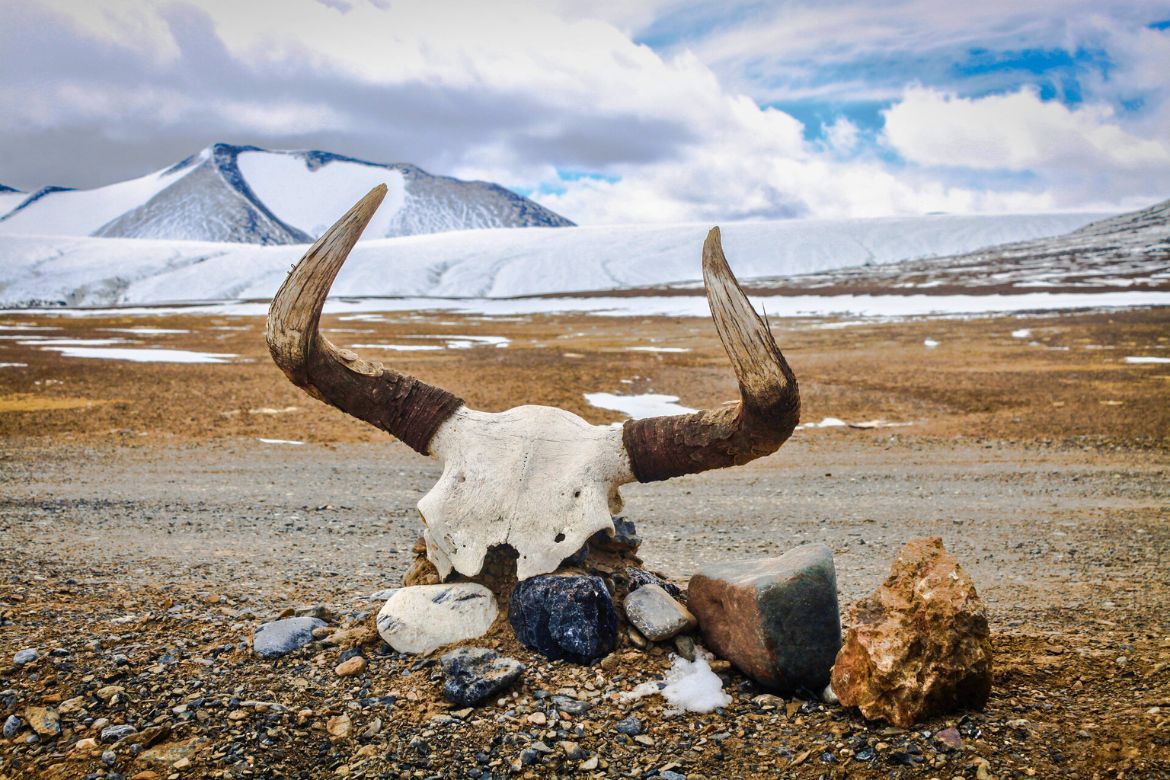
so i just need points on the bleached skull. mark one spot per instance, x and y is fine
(537, 478)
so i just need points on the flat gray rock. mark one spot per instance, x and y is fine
(656, 614)
(274, 639)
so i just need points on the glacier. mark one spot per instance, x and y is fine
(488, 263)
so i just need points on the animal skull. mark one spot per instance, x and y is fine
(539, 479)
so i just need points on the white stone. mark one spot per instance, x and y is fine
(540, 479)
(423, 618)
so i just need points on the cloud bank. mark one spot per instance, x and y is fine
(640, 112)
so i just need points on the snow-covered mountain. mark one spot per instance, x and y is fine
(1126, 252)
(244, 194)
(489, 263)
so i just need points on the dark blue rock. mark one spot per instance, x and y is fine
(473, 674)
(568, 617)
(11, 726)
(625, 534)
(283, 636)
(631, 726)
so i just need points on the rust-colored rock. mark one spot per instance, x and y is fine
(776, 619)
(919, 644)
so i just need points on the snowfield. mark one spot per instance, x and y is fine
(245, 194)
(499, 263)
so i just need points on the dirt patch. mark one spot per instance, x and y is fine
(143, 540)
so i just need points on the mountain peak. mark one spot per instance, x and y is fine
(246, 194)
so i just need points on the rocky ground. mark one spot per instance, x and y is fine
(146, 533)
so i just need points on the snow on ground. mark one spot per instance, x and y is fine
(136, 355)
(487, 263)
(776, 307)
(81, 212)
(690, 686)
(638, 406)
(1146, 360)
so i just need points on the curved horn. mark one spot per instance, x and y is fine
(399, 404)
(769, 407)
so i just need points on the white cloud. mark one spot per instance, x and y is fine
(512, 91)
(1083, 149)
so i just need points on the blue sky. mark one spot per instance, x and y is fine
(657, 110)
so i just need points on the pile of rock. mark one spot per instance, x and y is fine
(918, 645)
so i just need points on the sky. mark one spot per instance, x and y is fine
(615, 112)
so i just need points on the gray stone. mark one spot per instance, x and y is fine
(115, 733)
(656, 615)
(274, 639)
(776, 619)
(473, 674)
(26, 656)
(570, 705)
(631, 726)
(11, 726)
(640, 577)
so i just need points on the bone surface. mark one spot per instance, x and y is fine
(537, 479)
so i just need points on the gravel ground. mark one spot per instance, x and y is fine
(170, 562)
(145, 532)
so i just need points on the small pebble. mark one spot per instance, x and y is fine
(25, 656)
(353, 666)
(114, 733)
(631, 726)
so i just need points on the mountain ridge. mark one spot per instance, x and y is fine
(247, 194)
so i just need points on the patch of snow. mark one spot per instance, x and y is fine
(828, 422)
(81, 212)
(638, 406)
(488, 263)
(868, 424)
(658, 349)
(930, 343)
(144, 355)
(690, 686)
(1146, 359)
(1022, 333)
(13, 365)
(312, 199)
(279, 441)
(66, 342)
(778, 307)
(147, 331)
(400, 347)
